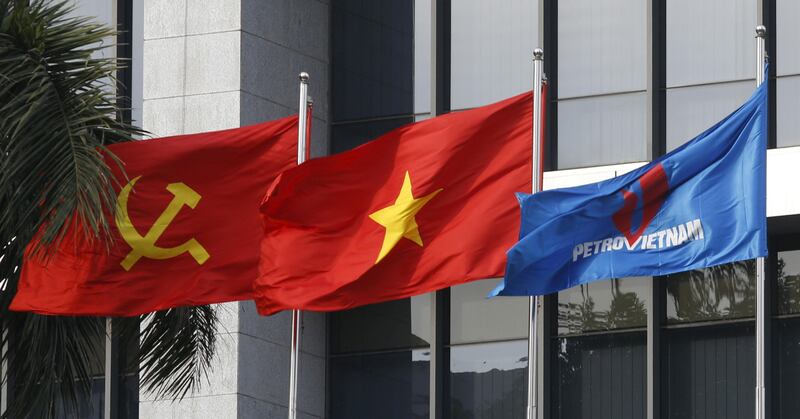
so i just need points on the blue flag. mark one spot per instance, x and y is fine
(701, 205)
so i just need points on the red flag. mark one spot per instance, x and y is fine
(187, 229)
(426, 206)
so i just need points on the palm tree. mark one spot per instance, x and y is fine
(58, 113)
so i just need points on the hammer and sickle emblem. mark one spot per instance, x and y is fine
(145, 246)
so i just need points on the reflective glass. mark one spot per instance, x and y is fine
(87, 409)
(709, 373)
(603, 376)
(788, 101)
(788, 36)
(787, 371)
(422, 56)
(788, 295)
(491, 50)
(710, 41)
(351, 135)
(602, 130)
(475, 318)
(129, 399)
(392, 325)
(389, 385)
(720, 292)
(601, 47)
(692, 110)
(488, 380)
(372, 59)
(603, 305)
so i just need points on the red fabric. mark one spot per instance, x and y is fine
(230, 170)
(320, 246)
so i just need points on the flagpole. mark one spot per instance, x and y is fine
(297, 315)
(536, 186)
(761, 34)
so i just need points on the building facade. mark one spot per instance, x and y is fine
(629, 80)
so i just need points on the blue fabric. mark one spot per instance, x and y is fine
(703, 204)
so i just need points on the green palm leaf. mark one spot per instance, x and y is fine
(58, 112)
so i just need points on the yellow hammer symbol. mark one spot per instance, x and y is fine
(145, 246)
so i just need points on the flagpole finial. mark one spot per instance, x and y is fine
(303, 77)
(761, 31)
(538, 54)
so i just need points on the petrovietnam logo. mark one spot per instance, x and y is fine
(645, 205)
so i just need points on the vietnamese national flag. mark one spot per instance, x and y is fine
(187, 229)
(424, 207)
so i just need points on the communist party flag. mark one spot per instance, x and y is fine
(186, 230)
(424, 207)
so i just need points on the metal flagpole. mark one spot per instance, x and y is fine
(761, 34)
(533, 302)
(297, 315)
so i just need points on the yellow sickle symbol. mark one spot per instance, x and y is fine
(146, 246)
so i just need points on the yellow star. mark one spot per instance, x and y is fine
(398, 219)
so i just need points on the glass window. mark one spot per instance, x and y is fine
(602, 130)
(602, 79)
(422, 56)
(389, 385)
(351, 135)
(720, 292)
(788, 104)
(391, 325)
(788, 295)
(787, 372)
(692, 110)
(787, 36)
(602, 376)
(709, 372)
(475, 318)
(604, 305)
(491, 50)
(601, 47)
(372, 59)
(488, 380)
(710, 41)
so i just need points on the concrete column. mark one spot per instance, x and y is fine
(216, 64)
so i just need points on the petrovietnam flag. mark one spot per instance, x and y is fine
(186, 230)
(703, 204)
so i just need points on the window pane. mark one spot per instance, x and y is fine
(391, 325)
(491, 50)
(349, 136)
(787, 371)
(489, 380)
(720, 292)
(474, 318)
(788, 98)
(372, 56)
(601, 377)
(602, 130)
(601, 46)
(692, 110)
(788, 36)
(88, 409)
(393, 386)
(422, 56)
(710, 41)
(710, 373)
(603, 305)
(788, 296)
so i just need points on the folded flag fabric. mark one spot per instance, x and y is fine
(426, 206)
(701, 205)
(186, 231)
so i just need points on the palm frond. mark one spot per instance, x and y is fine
(58, 112)
(176, 349)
